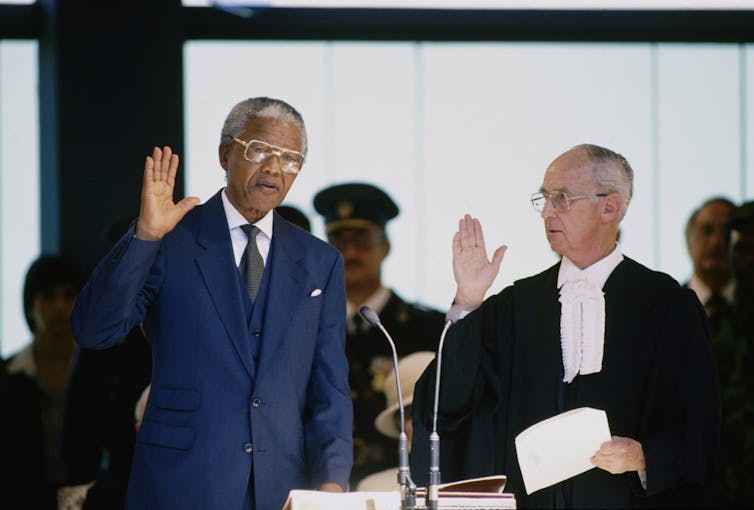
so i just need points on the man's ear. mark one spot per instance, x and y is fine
(222, 152)
(612, 206)
(387, 247)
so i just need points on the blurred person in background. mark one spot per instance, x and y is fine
(355, 216)
(38, 379)
(705, 241)
(733, 348)
(98, 429)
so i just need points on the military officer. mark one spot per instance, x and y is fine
(355, 215)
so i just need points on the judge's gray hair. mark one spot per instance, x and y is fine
(266, 107)
(618, 178)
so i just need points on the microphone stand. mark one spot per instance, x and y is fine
(408, 487)
(433, 489)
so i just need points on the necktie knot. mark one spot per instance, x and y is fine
(252, 264)
(356, 324)
(250, 230)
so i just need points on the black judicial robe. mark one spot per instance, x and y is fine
(502, 372)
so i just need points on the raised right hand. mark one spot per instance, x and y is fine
(158, 214)
(473, 272)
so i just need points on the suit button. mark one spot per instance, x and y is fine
(248, 448)
(257, 332)
(255, 402)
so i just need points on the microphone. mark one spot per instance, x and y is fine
(408, 488)
(433, 489)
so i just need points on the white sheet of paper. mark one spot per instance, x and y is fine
(560, 447)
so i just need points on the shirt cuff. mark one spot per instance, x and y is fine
(456, 313)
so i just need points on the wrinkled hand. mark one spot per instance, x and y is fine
(619, 455)
(473, 272)
(158, 214)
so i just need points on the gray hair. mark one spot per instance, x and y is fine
(266, 107)
(608, 179)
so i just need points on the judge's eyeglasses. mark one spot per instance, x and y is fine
(559, 200)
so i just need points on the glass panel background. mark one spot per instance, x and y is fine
(19, 185)
(450, 128)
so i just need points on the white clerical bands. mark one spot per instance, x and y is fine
(582, 328)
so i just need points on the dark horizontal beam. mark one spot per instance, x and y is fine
(20, 21)
(25, 21)
(470, 25)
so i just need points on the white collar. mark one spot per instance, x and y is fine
(582, 314)
(376, 302)
(703, 292)
(236, 219)
(597, 273)
(23, 362)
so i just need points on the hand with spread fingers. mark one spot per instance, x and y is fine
(472, 271)
(158, 214)
(619, 455)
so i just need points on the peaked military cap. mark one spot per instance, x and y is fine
(354, 205)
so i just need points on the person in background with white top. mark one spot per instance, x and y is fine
(597, 329)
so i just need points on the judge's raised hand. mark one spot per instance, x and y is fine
(473, 272)
(619, 455)
(158, 214)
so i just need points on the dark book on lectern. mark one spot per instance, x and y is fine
(494, 483)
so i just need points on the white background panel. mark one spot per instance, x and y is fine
(698, 141)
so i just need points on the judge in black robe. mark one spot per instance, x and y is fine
(503, 372)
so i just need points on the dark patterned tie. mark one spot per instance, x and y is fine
(717, 308)
(715, 304)
(252, 265)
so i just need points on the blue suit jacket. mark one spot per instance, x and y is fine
(228, 400)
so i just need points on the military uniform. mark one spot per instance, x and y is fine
(413, 328)
(359, 208)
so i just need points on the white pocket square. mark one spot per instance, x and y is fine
(316, 292)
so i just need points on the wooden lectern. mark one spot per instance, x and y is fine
(484, 493)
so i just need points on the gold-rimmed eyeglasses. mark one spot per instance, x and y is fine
(258, 152)
(559, 200)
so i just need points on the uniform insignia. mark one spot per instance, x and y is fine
(345, 209)
(380, 368)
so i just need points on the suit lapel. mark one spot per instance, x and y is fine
(218, 268)
(285, 292)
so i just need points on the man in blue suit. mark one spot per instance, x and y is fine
(250, 394)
